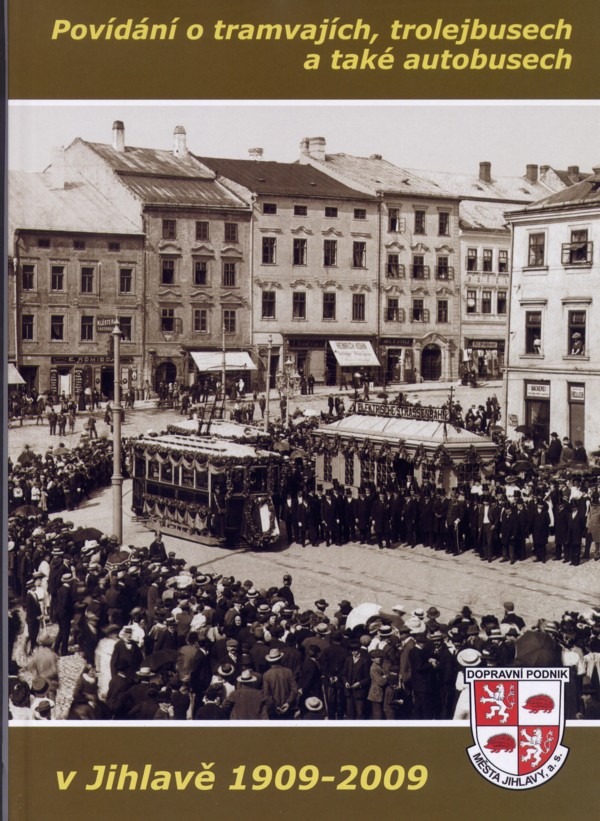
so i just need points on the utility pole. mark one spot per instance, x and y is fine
(117, 477)
(268, 387)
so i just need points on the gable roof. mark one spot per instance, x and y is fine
(505, 188)
(265, 178)
(582, 193)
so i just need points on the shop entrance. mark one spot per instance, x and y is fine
(107, 382)
(537, 419)
(577, 413)
(431, 363)
(165, 374)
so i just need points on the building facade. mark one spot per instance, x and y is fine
(553, 367)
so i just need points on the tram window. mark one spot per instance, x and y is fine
(166, 473)
(153, 470)
(237, 478)
(187, 477)
(258, 479)
(202, 478)
(140, 468)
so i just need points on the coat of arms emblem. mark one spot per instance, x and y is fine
(517, 721)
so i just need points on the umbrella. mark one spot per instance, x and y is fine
(86, 534)
(523, 429)
(60, 450)
(27, 510)
(535, 648)
(162, 658)
(522, 465)
(496, 429)
(298, 454)
(311, 412)
(282, 446)
(361, 614)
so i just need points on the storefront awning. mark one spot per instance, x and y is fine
(14, 377)
(354, 353)
(213, 361)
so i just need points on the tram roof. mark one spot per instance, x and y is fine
(411, 431)
(219, 448)
(221, 428)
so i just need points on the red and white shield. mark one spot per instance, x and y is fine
(517, 723)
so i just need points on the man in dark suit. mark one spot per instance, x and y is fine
(33, 613)
(488, 519)
(576, 529)
(379, 515)
(361, 516)
(554, 450)
(356, 678)
(540, 530)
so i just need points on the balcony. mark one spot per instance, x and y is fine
(577, 253)
(444, 273)
(420, 271)
(419, 315)
(395, 315)
(394, 270)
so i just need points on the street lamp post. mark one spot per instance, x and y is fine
(117, 477)
(288, 384)
(223, 372)
(268, 391)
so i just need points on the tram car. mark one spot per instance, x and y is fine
(216, 491)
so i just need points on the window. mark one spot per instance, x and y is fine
(229, 274)
(269, 208)
(327, 467)
(169, 229)
(269, 250)
(330, 253)
(444, 223)
(487, 260)
(359, 254)
(299, 306)
(418, 267)
(79, 244)
(533, 332)
(471, 302)
(43, 242)
(229, 320)
(394, 220)
(125, 323)
(419, 314)
(360, 213)
(392, 310)
(486, 302)
(503, 262)
(331, 211)
(87, 328)
(167, 273)
(579, 250)
(200, 272)
(358, 307)
(300, 210)
(300, 248)
(231, 232)
(393, 269)
(442, 310)
(442, 270)
(471, 259)
(114, 246)
(268, 305)
(167, 320)
(125, 280)
(537, 244)
(87, 280)
(576, 340)
(57, 278)
(349, 470)
(57, 328)
(419, 222)
(502, 302)
(200, 320)
(329, 306)
(28, 277)
(202, 232)
(27, 327)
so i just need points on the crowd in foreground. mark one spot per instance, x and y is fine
(104, 632)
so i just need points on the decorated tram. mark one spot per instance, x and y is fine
(215, 489)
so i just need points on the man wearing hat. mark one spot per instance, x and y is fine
(553, 450)
(280, 689)
(33, 613)
(64, 614)
(285, 592)
(356, 679)
(246, 703)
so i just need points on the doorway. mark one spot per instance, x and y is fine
(431, 363)
(165, 374)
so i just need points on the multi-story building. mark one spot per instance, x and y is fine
(314, 265)
(418, 305)
(75, 262)
(553, 359)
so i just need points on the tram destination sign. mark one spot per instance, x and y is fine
(423, 413)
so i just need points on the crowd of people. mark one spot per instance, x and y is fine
(61, 478)
(154, 639)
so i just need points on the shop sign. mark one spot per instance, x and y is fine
(485, 344)
(105, 324)
(95, 359)
(577, 393)
(399, 341)
(422, 413)
(537, 390)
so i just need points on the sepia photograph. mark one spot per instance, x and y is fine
(301, 409)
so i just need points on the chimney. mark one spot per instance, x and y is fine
(596, 169)
(376, 157)
(316, 148)
(255, 153)
(303, 149)
(485, 171)
(532, 173)
(118, 134)
(544, 171)
(179, 142)
(573, 172)
(57, 168)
